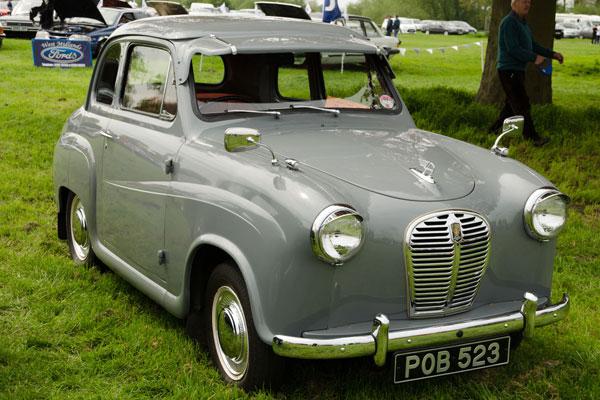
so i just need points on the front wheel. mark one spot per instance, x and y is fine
(78, 235)
(237, 351)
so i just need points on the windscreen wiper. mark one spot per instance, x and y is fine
(276, 114)
(333, 111)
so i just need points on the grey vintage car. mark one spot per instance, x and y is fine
(287, 208)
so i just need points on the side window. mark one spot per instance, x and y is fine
(370, 29)
(107, 78)
(355, 26)
(208, 70)
(147, 88)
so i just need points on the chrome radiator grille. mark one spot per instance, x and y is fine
(446, 256)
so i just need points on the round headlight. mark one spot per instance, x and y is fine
(546, 214)
(337, 234)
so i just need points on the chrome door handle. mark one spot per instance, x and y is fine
(107, 134)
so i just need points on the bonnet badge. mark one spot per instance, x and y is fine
(457, 235)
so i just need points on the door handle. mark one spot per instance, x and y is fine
(107, 134)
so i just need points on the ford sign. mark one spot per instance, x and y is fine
(61, 53)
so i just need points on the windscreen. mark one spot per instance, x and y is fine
(288, 82)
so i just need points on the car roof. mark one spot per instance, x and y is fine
(230, 35)
(251, 35)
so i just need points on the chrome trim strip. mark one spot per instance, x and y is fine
(379, 342)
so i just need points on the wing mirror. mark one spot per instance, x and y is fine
(512, 124)
(241, 139)
(244, 139)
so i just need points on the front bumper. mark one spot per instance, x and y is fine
(381, 341)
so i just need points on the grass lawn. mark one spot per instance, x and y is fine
(69, 332)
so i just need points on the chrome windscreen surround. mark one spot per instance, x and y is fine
(447, 253)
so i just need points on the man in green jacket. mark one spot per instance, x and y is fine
(517, 48)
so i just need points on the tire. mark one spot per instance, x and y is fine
(244, 360)
(78, 237)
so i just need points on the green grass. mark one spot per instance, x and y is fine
(70, 332)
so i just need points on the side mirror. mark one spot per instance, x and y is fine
(241, 139)
(512, 124)
(516, 123)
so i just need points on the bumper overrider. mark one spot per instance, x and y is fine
(381, 341)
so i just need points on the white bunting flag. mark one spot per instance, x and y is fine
(418, 51)
(442, 50)
(478, 44)
(402, 51)
(455, 48)
(430, 51)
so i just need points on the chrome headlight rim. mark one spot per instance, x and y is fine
(323, 218)
(533, 201)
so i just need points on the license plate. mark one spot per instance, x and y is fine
(450, 360)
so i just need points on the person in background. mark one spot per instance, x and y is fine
(389, 27)
(595, 35)
(9, 5)
(517, 48)
(384, 23)
(396, 26)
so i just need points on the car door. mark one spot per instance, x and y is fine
(142, 139)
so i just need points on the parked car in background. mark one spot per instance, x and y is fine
(18, 24)
(203, 8)
(166, 8)
(361, 25)
(569, 29)
(286, 209)
(98, 24)
(435, 27)
(409, 25)
(366, 27)
(4, 10)
(462, 27)
(559, 31)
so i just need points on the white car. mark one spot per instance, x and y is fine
(570, 30)
(409, 25)
(203, 8)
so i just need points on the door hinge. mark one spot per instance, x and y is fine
(162, 257)
(169, 166)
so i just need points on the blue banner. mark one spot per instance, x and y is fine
(331, 11)
(63, 53)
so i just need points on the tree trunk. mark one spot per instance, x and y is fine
(541, 19)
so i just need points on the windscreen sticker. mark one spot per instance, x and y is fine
(387, 102)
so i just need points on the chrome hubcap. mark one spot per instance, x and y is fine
(230, 333)
(79, 235)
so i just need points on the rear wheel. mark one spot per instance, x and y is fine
(78, 235)
(237, 351)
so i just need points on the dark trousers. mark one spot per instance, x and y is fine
(517, 102)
